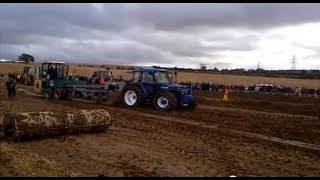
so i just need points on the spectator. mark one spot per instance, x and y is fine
(11, 87)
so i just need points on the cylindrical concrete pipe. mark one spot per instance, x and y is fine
(33, 124)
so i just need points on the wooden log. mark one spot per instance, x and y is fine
(31, 124)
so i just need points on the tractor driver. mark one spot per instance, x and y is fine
(101, 80)
(147, 77)
(52, 72)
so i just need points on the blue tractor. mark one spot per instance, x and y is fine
(151, 85)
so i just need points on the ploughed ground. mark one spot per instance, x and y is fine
(250, 135)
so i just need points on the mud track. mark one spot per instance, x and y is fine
(217, 139)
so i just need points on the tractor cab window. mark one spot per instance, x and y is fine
(52, 71)
(45, 68)
(161, 77)
(32, 71)
(147, 77)
(65, 70)
(136, 77)
(59, 70)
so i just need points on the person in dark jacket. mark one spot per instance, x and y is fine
(11, 87)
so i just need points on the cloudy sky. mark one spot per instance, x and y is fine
(184, 35)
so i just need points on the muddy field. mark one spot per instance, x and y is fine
(251, 135)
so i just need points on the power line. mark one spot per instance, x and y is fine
(293, 62)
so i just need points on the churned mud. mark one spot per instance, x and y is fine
(250, 135)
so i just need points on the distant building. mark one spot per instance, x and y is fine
(19, 61)
(5, 60)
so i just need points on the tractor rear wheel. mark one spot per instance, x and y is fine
(132, 96)
(48, 93)
(165, 101)
(57, 94)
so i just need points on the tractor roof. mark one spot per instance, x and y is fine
(149, 69)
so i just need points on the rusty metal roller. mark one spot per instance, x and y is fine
(33, 124)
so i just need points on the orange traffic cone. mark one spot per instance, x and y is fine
(226, 95)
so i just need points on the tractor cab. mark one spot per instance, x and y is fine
(151, 76)
(151, 79)
(54, 70)
(54, 74)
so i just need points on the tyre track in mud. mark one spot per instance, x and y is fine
(300, 147)
(198, 150)
(177, 115)
(227, 156)
(209, 157)
(195, 162)
(188, 148)
(256, 112)
(296, 128)
(256, 97)
(183, 143)
(264, 106)
(153, 117)
(266, 103)
(231, 110)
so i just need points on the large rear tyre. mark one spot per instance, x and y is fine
(165, 101)
(48, 93)
(132, 96)
(57, 94)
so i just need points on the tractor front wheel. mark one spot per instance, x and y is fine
(165, 101)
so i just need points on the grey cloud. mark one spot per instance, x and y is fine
(313, 48)
(145, 33)
(246, 43)
(190, 44)
(176, 43)
(114, 52)
(83, 15)
(256, 16)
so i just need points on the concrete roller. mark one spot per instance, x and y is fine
(35, 124)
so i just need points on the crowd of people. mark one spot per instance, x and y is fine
(252, 88)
